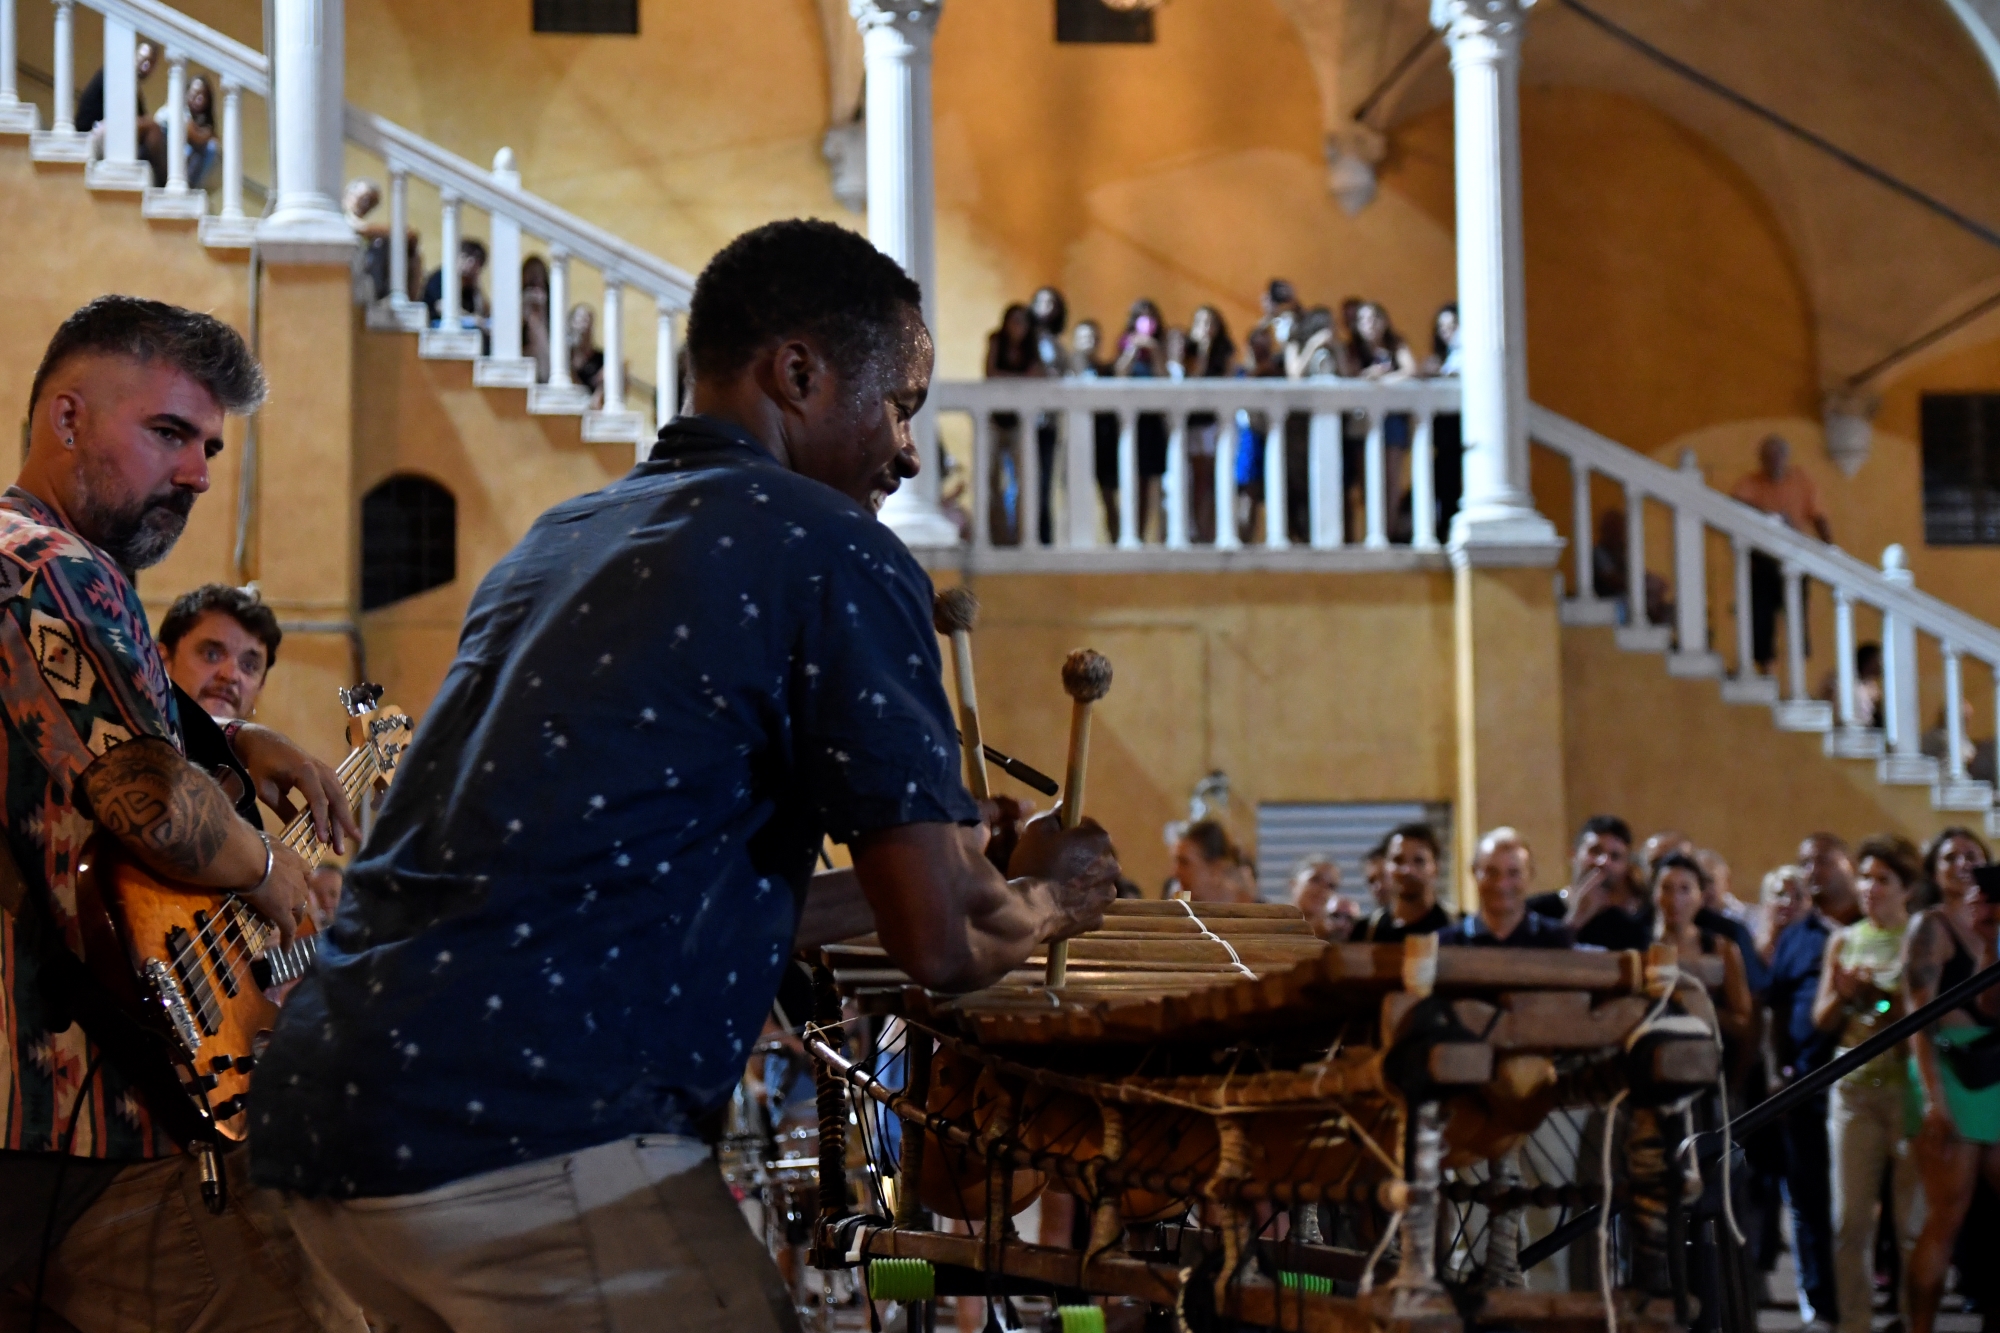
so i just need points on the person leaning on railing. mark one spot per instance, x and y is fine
(1960, 1137)
(1860, 992)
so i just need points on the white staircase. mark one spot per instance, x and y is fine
(513, 213)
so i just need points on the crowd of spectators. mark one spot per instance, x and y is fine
(1289, 341)
(1888, 1176)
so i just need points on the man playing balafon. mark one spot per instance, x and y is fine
(560, 943)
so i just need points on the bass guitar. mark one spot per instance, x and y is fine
(194, 968)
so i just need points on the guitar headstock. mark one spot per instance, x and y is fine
(381, 729)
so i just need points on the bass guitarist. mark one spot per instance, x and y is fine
(102, 1223)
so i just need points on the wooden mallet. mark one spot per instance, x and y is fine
(955, 612)
(1086, 677)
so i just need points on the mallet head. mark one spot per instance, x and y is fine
(955, 610)
(1086, 675)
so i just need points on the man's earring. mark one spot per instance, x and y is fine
(69, 441)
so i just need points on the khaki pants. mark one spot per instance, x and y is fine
(635, 1234)
(148, 1257)
(1864, 1128)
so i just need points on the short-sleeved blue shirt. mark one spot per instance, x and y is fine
(571, 916)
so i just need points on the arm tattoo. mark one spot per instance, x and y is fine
(157, 803)
(1923, 962)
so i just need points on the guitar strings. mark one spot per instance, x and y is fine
(355, 772)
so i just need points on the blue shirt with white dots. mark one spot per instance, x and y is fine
(571, 916)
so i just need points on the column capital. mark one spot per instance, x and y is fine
(908, 17)
(1494, 20)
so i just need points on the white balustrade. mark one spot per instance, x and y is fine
(119, 168)
(1276, 536)
(614, 345)
(1128, 481)
(1175, 487)
(16, 116)
(503, 366)
(177, 122)
(1227, 536)
(1326, 481)
(1374, 466)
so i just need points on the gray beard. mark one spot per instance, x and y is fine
(138, 537)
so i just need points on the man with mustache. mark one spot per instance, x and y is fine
(220, 644)
(561, 941)
(102, 1225)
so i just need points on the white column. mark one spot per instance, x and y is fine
(1328, 481)
(1843, 647)
(1128, 480)
(1746, 664)
(558, 317)
(1226, 536)
(1954, 716)
(451, 298)
(1276, 503)
(1485, 40)
(1174, 492)
(1582, 541)
(614, 344)
(177, 128)
(902, 214)
(64, 74)
(16, 116)
(120, 168)
(1375, 483)
(308, 47)
(232, 149)
(1795, 632)
(503, 266)
(1423, 484)
(666, 369)
(399, 234)
(1028, 464)
(1079, 479)
(1635, 558)
(1906, 761)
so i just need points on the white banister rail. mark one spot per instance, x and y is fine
(200, 43)
(1174, 446)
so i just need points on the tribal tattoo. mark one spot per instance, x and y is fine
(160, 805)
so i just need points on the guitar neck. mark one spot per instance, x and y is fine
(356, 772)
(289, 962)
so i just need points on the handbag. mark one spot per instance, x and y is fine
(1977, 1062)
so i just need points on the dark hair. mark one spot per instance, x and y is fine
(534, 273)
(243, 605)
(1018, 360)
(1868, 659)
(795, 277)
(1831, 840)
(1678, 861)
(1392, 341)
(200, 346)
(1220, 350)
(1896, 852)
(1211, 840)
(1439, 346)
(1418, 832)
(1280, 292)
(1935, 848)
(1605, 826)
(1058, 321)
(474, 247)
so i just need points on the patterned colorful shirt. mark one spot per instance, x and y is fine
(79, 673)
(572, 913)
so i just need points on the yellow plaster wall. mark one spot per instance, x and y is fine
(1301, 687)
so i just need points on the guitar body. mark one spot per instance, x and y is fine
(187, 963)
(189, 974)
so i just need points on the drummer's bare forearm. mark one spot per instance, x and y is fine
(943, 912)
(836, 909)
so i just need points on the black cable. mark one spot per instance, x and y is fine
(1395, 76)
(55, 1191)
(1791, 127)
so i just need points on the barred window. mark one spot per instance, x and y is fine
(409, 539)
(1961, 445)
(617, 17)
(1095, 21)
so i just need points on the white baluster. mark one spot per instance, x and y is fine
(1582, 545)
(16, 116)
(1276, 537)
(1905, 764)
(1375, 483)
(558, 318)
(399, 234)
(1080, 479)
(1029, 473)
(1226, 536)
(1843, 647)
(1954, 716)
(1691, 656)
(177, 124)
(63, 113)
(1423, 484)
(982, 480)
(666, 369)
(503, 238)
(1175, 493)
(451, 303)
(1128, 480)
(120, 168)
(1795, 631)
(614, 344)
(230, 228)
(1329, 490)
(1746, 665)
(1635, 558)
